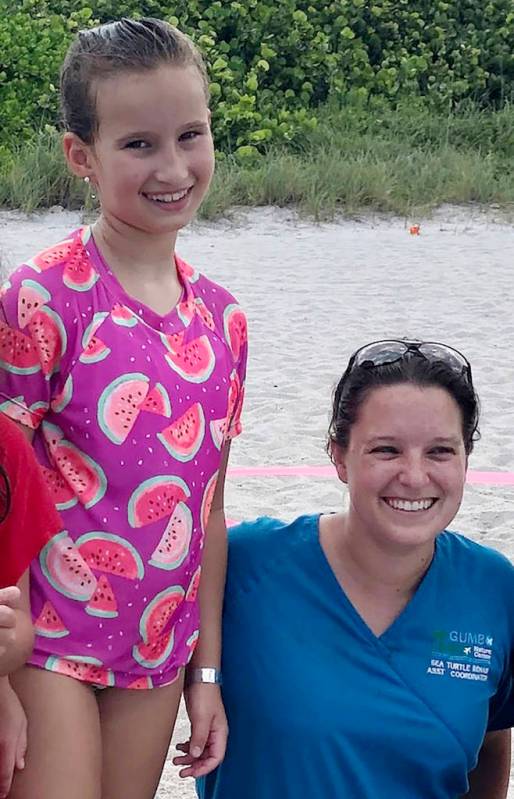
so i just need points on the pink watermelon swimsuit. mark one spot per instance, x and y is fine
(131, 410)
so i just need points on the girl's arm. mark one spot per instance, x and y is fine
(16, 630)
(209, 730)
(490, 778)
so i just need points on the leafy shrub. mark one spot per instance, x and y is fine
(273, 62)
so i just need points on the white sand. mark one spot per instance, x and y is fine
(313, 294)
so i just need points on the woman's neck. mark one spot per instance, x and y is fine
(378, 579)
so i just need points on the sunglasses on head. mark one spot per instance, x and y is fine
(389, 351)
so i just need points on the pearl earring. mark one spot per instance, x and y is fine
(87, 181)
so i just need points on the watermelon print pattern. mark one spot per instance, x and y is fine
(131, 411)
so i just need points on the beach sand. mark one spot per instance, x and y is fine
(315, 293)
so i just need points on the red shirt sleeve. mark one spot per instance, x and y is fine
(32, 518)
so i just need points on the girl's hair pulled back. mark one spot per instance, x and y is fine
(126, 45)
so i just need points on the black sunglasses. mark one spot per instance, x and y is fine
(389, 351)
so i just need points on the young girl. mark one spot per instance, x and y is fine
(130, 365)
(26, 525)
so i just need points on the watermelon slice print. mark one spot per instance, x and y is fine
(184, 437)
(156, 498)
(109, 553)
(85, 477)
(103, 602)
(18, 353)
(157, 401)
(173, 548)
(17, 410)
(49, 335)
(62, 495)
(79, 273)
(123, 316)
(94, 349)
(120, 404)
(141, 684)
(49, 623)
(192, 591)
(52, 256)
(65, 569)
(159, 612)
(218, 428)
(204, 313)
(208, 496)
(194, 361)
(87, 669)
(62, 399)
(31, 297)
(154, 654)
(234, 324)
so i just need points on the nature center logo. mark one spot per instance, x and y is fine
(461, 655)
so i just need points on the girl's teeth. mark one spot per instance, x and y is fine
(168, 198)
(404, 504)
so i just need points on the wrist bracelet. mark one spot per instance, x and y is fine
(203, 675)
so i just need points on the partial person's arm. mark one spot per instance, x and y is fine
(16, 640)
(209, 730)
(490, 778)
(16, 630)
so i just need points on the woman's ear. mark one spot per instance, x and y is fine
(338, 455)
(78, 155)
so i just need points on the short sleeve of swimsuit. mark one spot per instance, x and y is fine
(32, 519)
(131, 411)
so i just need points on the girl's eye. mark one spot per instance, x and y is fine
(190, 135)
(137, 144)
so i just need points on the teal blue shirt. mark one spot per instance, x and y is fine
(318, 706)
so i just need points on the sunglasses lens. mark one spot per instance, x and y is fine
(380, 353)
(439, 352)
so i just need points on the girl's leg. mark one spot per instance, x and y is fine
(64, 745)
(136, 733)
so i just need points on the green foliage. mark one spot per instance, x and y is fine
(387, 160)
(273, 62)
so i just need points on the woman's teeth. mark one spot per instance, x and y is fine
(408, 505)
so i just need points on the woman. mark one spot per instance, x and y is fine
(366, 653)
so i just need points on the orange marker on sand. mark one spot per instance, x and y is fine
(415, 230)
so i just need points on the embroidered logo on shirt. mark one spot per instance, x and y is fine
(461, 655)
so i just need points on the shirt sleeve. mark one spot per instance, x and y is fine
(501, 706)
(32, 344)
(31, 519)
(237, 382)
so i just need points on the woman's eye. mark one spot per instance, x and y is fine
(442, 451)
(384, 450)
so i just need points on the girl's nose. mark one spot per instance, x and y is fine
(173, 168)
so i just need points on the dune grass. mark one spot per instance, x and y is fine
(400, 161)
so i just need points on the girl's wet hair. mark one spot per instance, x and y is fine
(127, 45)
(357, 383)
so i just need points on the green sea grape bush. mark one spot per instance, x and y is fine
(274, 62)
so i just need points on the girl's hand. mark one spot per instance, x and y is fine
(10, 602)
(209, 731)
(13, 736)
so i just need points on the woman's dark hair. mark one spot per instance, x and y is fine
(5, 495)
(127, 45)
(357, 383)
